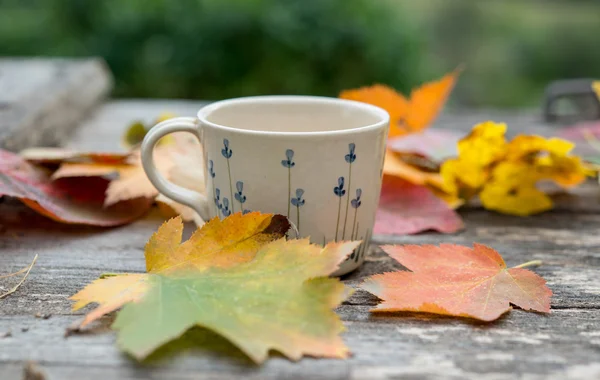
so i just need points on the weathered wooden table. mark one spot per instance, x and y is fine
(562, 345)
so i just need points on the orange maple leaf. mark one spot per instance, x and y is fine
(459, 281)
(408, 115)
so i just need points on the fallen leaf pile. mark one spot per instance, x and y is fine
(505, 173)
(457, 281)
(238, 277)
(65, 200)
(103, 189)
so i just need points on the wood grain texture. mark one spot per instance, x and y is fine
(43, 100)
(564, 344)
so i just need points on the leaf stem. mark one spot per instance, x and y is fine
(14, 289)
(530, 263)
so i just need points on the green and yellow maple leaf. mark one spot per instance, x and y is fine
(238, 277)
(280, 300)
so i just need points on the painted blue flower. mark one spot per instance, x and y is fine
(226, 152)
(298, 201)
(350, 157)
(246, 212)
(239, 196)
(225, 207)
(218, 198)
(288, 162)
(339, 189)
(356, 201)
(211, 168)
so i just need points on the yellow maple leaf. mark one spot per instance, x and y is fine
(549, 159)
(505, 174)
(484, 145)
(407, 115)
(477, 151)
(528, 147)
(522, 201)
(461, 179)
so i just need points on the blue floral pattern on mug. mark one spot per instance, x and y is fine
(289, 164)
(339, 189)
(225, 207)
(350, 157)
(218, 199)
(339, 192)
(298, 201)
(356, 201)
(289, 161)
(211, 168)
(239, 195)
(226, 152)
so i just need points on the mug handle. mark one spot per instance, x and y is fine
(195, 200)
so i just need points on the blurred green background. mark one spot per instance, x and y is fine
(215, 49)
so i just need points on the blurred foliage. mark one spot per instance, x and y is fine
(214, 49)
(511, 49)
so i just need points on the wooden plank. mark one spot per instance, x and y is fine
(43, 100)
(388, 346)
(564, 344)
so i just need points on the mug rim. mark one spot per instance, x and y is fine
(382, 114)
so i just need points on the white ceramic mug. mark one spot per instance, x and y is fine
(316, 160)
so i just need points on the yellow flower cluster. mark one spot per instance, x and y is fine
(505, 174)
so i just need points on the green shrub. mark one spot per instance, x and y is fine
(215, 49)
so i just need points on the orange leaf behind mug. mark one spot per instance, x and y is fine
(408, 115)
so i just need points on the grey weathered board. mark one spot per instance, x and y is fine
(43, 100)
(563, 345)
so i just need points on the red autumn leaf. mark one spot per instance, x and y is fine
(69, 200)
(459, 281)
(405, 208)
